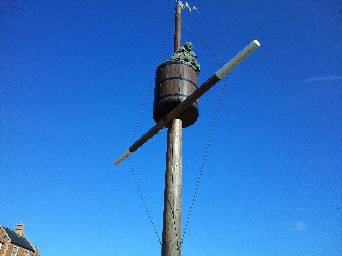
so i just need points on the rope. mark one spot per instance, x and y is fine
(133, 172)
(133, 134)
(206, 151)
(147, 211)
(204, 43)
(210, 134)
(205, 157)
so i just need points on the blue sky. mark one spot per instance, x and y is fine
(74, 78)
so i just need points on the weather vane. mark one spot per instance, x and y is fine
(187, 6)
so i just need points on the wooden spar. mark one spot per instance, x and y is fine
(223, 71)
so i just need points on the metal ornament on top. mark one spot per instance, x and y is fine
(176, 79)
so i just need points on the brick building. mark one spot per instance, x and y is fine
(15, 243)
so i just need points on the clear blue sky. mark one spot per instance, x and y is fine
(73, 78)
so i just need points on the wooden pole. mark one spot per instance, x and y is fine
(178, 28)
(172, 217)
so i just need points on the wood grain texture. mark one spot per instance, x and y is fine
(172, 227)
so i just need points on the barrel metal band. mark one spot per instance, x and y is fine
(179, 78)
(174, 94)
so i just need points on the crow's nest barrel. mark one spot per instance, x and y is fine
(175, 80)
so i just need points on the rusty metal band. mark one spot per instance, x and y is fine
(173, 94)
(178, 78)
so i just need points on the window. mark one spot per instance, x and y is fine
(0, 245)
(15, 251)
(27, 253)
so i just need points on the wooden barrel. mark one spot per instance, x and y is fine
(174, 82)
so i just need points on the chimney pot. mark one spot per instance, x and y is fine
(19, 229)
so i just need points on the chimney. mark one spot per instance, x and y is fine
(19, 229)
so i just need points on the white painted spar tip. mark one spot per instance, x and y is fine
(237, 59)
(123, 157)
(256, 42)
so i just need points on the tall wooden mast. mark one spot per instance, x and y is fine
(176, 107)
(172, 216)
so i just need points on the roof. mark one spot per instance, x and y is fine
(18, 240)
